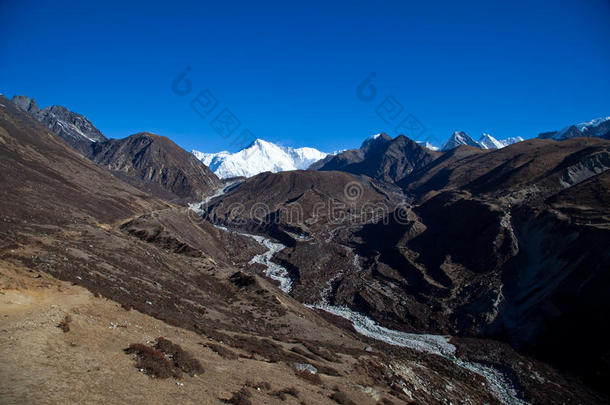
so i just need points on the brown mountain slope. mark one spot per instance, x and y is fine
(149, 162)
(295, 204)
(157, 165)
(44, 181)
(515, 168)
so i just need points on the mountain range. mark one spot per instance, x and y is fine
(261, 156)
(485, 142)
(599, 127)
(150, 162)
(388, 273)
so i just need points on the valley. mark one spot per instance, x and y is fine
(396, 273)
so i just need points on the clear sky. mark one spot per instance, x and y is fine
(290, 71)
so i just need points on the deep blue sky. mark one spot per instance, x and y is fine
(289, 72)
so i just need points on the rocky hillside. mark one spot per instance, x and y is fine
(157, 165)
(73, 128)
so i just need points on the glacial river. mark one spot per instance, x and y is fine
(499, 386)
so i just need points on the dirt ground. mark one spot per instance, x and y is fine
(40, 364)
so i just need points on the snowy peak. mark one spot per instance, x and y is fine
(260, 156)
(459, 138)
(486, 141)
(599, 128)
(428, 145)
(511, 140)
(376, 139)
(592, 124)
(489, 142)
(305, 157)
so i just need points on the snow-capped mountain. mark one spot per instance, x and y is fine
(599, 127)
(260, 156)
(489, 142)
(511, 140)
(374, 139)
(459, 138)
(428, 145)
(486, 141)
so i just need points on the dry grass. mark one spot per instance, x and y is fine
(152, 361)
(165, 360)
(309, 377)
(222, 351)
(241, 397)
(182, 359)
(263, 385)
(341, 398)
(322, 352)
(283, 393)
(304, 353)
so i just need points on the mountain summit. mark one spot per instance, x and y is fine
(487, 141)
(157, 165)
(459, 138)
(381, 157)
(260, 156)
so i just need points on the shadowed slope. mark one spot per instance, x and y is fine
(382, 158)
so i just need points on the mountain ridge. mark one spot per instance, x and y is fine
(72, 127)
(157, 165)
(598, 127)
